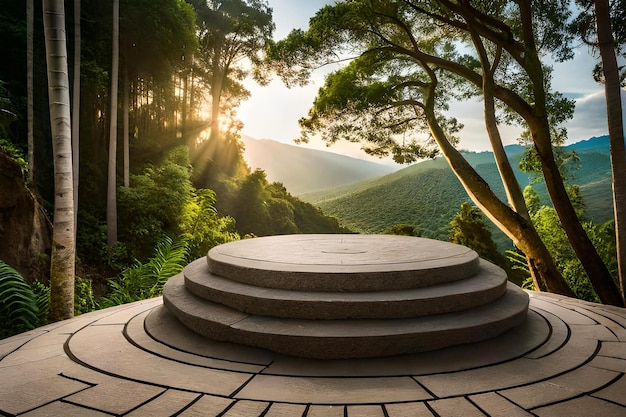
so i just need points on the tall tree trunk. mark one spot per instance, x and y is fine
(183, 117)
(216, 92)
(112, 185)
(596, 270)
(62, 260)
(516, 227)
(512, 188)
(613, 92)
(30, 24)
(125, 113)
(218, 76)
(76, 110)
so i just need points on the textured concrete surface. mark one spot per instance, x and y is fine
(567, 359)
(335, 262)
(345, 296)
(486, 286)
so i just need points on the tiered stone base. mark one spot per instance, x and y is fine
(345, 296)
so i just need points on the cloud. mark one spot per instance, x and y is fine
(590, 118)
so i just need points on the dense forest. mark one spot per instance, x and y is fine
(163, 154)
(142, 169)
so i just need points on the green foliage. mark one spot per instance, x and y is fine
(201, 225)
(427, 194)
(263, 209)
(520, 273)
(154, 203)
(548, 226)
(146, 280)
(84, 300)
(403, 230)
(468, 228)
(18, 304)
(42, 295)
(15, 153)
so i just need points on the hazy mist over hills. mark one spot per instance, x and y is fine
(303, 170)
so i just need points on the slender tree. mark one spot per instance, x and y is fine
(126, 125)
(613, 92)
(389, 38)
(30, 23)
(63, 252)
(76, 110)
(231, 32)
(601, 25)
(112, 166)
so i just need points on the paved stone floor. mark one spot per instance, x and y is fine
(567, 359)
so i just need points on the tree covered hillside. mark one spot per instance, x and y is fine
(428, 195)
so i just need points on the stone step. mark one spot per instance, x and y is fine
(347, 338)
(342, 262)
(486, 286)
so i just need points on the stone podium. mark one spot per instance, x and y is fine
(345, 296)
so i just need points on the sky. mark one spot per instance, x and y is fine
(272, 112)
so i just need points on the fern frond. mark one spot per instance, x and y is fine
(18, 304)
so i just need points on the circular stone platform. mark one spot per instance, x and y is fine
(345, 296)
(567, 359)
(342, 262)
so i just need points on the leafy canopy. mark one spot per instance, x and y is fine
(408, 56)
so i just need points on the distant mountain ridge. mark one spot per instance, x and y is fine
(428, 194)
(303, 170)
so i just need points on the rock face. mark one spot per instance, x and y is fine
(345, 296)
(24, 228)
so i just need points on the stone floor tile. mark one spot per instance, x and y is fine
(568, 315)
(557, 337)
(10, 344)
(417, 409)
(332, 390)
(117, 397)
(365, 411)
(509, 374)
(616, 392)
(25, 356)
(167, 404)
(24, 396)
(326, 411)
(455, 407)
(284, 410)
(59, 408)
(207, 406)
(598, 315)
(122, 316)
(71, 326)
(582, 407)
(613, 350)
(105, 348)
(246, 408)
(563, 387)
(612, 312)
(497, 406)
(594, 332)
(604, 362)
(135, 331)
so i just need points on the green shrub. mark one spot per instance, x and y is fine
(18, 304)
(84, 301)
(142, 281)
(42, 296)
